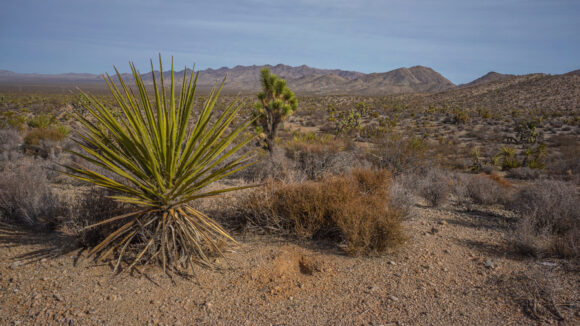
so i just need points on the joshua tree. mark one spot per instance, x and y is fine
(158, 159)
(276, 103)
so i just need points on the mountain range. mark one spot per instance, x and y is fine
(303, 80)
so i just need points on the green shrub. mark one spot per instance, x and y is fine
(42, 121)
(507, 158)
(459, 116)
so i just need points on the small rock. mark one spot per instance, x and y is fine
(390, 262)
(16, 264)
(58, 297)
(434, 230)
(490, 264)
(442, 223)
(447, 251)
(393, 298)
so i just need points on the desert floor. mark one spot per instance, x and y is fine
(457, 268)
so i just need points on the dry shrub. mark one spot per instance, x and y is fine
(488, 189)
(540, 295)
(353, 209)
(399, 153)
(549, 218)
(435, 187)
(10, 142)
(36, 135)
(525, 173)
(26, 198)
(275, 166)
(401, 193)
(91, 207)
(317, 159)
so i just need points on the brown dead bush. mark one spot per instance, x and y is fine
(352, 209)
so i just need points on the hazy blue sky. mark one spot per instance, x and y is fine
(462, 39)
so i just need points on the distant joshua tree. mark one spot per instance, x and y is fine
(276, 103)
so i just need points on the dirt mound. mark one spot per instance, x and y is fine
(287, 271)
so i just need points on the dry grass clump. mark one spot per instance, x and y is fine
(549, 218)
(36, 135)
(352, 209)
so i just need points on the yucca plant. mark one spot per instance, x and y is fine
(158, 159)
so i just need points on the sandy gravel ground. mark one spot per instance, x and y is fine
(457, 268)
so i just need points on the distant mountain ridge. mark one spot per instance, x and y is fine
(304, 80)
(301, 79)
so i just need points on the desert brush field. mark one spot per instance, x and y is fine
(439, 205)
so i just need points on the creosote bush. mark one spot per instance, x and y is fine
(354, 209)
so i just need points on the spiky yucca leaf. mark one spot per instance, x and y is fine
(160, 162)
